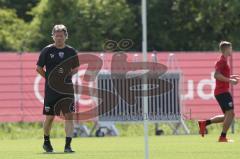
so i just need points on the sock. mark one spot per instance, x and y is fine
(223, 134)
(46, 138)
(68, 141)
(208, 122)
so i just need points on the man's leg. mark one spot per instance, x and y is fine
(69, 131)
(217, 119)
(204, 123)
(229, 116)
(47, 125)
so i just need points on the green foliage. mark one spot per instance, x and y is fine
(172, 24)
(193, 25)
(89, 22)
(12, 31)
(22, 7)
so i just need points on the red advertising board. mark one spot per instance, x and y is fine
(21, 88)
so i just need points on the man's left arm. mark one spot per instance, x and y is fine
(75, 64)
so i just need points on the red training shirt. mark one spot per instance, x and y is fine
(222, 67)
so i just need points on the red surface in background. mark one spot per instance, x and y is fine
(21, 94)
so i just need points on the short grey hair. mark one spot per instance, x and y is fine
(59, 28)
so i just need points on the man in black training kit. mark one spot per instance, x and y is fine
(51, 56)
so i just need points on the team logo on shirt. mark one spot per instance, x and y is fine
(52, 56)
(230, 104)
(61, 54)
(47, 108)
(61, 70)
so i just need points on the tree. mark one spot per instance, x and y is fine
(173, 25)
(192, 25)
(12, 31)
(90, 22)
(22, 7)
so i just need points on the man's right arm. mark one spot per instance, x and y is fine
(220, 77)
(41, 71)
(42, 62)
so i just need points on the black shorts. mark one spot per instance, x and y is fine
(225, 101)
(56, 103)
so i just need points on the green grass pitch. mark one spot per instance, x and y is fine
(165, 147)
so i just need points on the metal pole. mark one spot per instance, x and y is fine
(145, 98)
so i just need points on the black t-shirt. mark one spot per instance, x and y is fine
(51, 56)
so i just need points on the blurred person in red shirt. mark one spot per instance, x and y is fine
(221, 93)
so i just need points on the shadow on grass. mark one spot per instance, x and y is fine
(55, 153)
